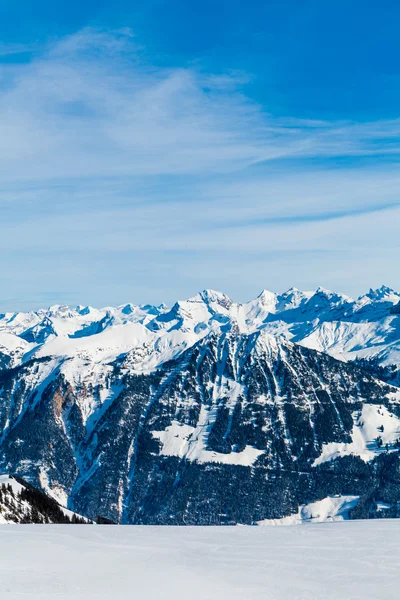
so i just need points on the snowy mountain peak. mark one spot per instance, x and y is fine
(83, 310)
(62, 311)
(267, 299)
(323, 291)
(214, 297)
(381, 293)
(319, 319)
(128, 309)
(332, 296)
(292, 298)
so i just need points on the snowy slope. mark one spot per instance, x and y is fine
(323, 320)
(21, 503)
(336, 561)
(328, 509)
(179, 444)
(371, 423)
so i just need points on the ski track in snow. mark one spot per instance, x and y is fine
(353, 560)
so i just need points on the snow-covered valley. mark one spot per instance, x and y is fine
(352, 560)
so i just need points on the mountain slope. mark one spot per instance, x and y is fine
(206, 412)
(322, 320)
(234, 414)
(20, 502)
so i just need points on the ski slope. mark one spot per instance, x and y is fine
(350, 560)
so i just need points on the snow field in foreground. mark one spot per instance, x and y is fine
(341, 561)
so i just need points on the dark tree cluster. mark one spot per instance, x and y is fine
(42, 509)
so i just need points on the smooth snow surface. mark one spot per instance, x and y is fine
(353, 560)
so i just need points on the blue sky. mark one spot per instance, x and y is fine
(152, 149)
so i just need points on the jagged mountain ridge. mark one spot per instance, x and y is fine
(323, 320)
(150, 414)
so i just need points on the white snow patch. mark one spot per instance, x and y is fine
(56, 492)
(103, 346)
(7, 480)
(331, 508)
(372, 422)
(382, 505)
(189, 442)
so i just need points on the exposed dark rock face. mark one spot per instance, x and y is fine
(228, 432)
(395, 310)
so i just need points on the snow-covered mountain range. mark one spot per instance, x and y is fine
(168, 415)
(322, 320)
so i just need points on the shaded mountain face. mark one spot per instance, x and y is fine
(232, 428)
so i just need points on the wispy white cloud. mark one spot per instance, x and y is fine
(12, 49)
(88, 106)
(119, 178)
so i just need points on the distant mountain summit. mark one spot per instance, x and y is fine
(323, 320)
(210, 411)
